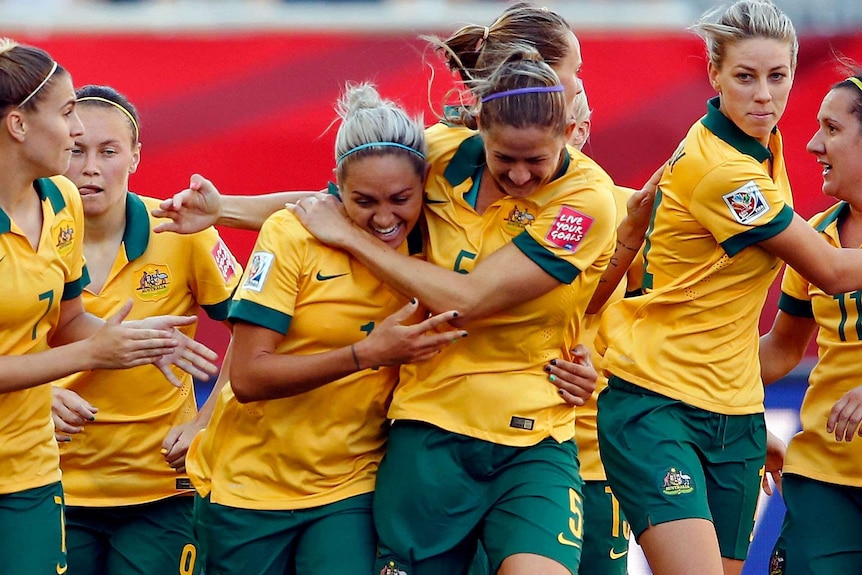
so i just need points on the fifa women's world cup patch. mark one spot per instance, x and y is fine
(746, 203)
(258, 269)
(224, 260)
(63, 233)
(569, 228)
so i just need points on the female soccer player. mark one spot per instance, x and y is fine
(287, 467)
(681, 427)
(46, 332)
(519, 232)
(823, 469)
(128, 499)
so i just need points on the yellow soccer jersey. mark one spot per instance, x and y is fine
(34, 285)
(693, 335)
(321, 446)
(116, 460)
(585, 424)
(813, 452)
(492, 386)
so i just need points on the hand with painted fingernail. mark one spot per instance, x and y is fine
(575, 380)
(70, 413)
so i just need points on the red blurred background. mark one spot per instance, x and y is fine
(251, 110)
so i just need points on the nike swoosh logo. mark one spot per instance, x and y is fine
(322, 278)
(562, 539)
(614, 555)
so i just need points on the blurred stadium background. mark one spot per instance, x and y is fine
(242, 92)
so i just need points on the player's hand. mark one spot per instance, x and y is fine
(775, 451)
(325, 217)
(70, 413)
(119, 345)
(176, 444)
(640, 203)
(394, 343)
(189, 355)
(846, 415)
(191, 210)
(576, 379)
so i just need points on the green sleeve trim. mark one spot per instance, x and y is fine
(797, 307)
(73, 289)
(254, 313)
(739, 242)
(560, 270)
(218, 311)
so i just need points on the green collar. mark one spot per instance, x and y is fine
(470, 158)
(47, 190)
(839, 213)
(720, 125)
(136, 237)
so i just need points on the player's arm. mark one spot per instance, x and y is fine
(834, 270)
(258, 372)
(201, 205)
(505, 278)
(630, 238)
(175, 445)
(82, 342)
(782, 348)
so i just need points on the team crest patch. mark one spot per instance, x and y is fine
(569, 228)
(223, 260)
(258, 269)
(777, 563)
(391, 568)
(676, 482)
(746, 203)
(518, 219)
(153, 282)
(63, 233)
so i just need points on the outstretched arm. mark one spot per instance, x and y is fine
(834, 270)
(201, 205)
(81, 342)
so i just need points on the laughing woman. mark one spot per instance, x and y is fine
(287, 467)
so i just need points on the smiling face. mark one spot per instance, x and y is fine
(837, 144)
(754, 83)
(383, 195)
(521, 160)
(103, 158)
(51, 127)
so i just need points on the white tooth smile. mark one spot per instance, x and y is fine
(387, 230)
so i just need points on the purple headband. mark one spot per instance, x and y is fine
(516, 91)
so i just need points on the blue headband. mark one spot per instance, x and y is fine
(380, 144)
(516, 91)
